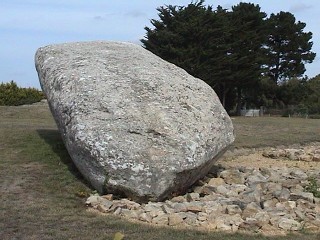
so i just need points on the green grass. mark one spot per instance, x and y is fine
(274, 131)
(39, 190)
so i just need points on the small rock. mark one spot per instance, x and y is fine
(194, 207)
(299, 213)
(192, 197)
(191, 218)
(167, 209)
(131, 214)
(215, 182)
(253, 195)
(238, 188)
(174, 219)
(207, 190)
(145, 217)
(179, 207)
(214, 207)
(233, 209)
(108, 197)
(289, 224)
(273, 187)
(232, 176)
(298, 173)
(117, 211)
(262, 218)
(178, 199)
(251, 210)
(256, 177)
(161, 220)
(302, 195)
(225, 191)
(282, 195)
(105, 206)
(202, 216)
(271, 203)
(94, 200)
(316, 158)
(250, 224)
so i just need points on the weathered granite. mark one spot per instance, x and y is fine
(133, 123)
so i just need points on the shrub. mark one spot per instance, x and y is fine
(313, 187)
(12, 95)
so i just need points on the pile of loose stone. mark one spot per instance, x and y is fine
(231, 199)
(307, 153)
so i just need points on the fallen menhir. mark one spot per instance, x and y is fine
(132, 123)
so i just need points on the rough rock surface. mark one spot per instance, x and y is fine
(132, 122)
(269, 200)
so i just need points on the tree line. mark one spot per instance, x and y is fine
(246, 56)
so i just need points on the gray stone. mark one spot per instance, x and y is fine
(174, 219)
(251, 195)
(179, 199)
(154, 209)
(117, 211)
(214, 207)
(232, 176)
(282, 195)
(223, 212)
(256, 177)
(202, 216)
(94, 200)
(316, 158)
(302, 195)
(105, 208)
(161, 220)
(289, 224)
(250, 224)
(298, 173)
(251, 210)
(167, 209)
(233, 209)
(273, 187)
(192, 197)
(131, 214)
(215, 182)
(132, 122)
(145, 217)
(270, 203)
(179, 207)
(194, 207)
(191, 218)
(262, 218)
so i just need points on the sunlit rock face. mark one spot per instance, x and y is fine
(133, 123)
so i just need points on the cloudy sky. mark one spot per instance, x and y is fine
(26, 25)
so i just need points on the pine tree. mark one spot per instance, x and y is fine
(288, 47)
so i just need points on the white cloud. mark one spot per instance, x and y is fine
(136, 14)
(299, 7)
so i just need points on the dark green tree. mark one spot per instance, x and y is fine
(312, 100)
(242, 55)
(194, 38)
(248, 35)
(288, 47)
(207, 43)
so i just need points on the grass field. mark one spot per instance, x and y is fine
(41, 190)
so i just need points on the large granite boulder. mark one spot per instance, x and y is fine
(133, 123)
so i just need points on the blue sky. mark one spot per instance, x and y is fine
(26, 25)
